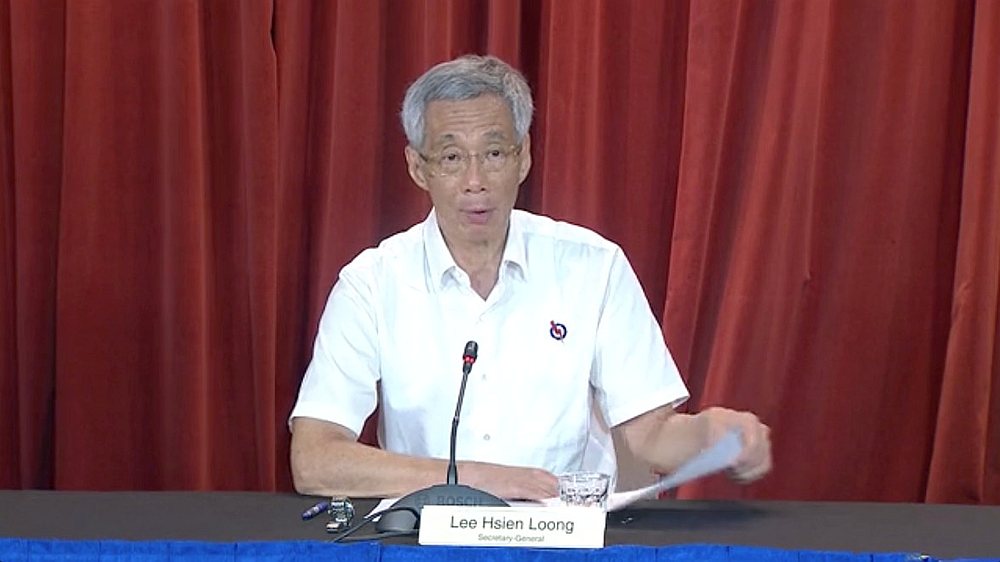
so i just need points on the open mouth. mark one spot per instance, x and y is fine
(478, 216)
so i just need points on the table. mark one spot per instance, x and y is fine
(940, 531)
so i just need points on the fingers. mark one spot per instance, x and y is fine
(746, 475)
(518, 483)
(541, 484)
(754, 461)
(531, 484)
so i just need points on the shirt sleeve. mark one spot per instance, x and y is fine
(633, 370)
(340, 384)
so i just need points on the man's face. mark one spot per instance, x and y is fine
(458, 166)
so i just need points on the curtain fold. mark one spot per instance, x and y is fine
(33, 72)
(808, 192)
(965, 464)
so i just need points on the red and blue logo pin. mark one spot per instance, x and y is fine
(557, 330)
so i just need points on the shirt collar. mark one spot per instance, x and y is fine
(439, 261)
(440, 264)
(514, 253)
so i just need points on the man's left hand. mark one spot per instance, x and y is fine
(754, 461)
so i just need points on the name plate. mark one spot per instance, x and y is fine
(539, 527)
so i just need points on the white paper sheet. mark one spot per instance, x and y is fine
(718, 457)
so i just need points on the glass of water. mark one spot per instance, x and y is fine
(586, 489)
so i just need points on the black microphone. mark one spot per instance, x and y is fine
(405, 514)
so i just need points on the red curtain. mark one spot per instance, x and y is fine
(809, 192)
(965, 459)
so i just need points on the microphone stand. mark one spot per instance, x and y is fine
(405, 514)
(467, 361)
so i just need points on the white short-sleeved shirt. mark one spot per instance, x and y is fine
(568, 347)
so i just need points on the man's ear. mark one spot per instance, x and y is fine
(525, 159)
(414, 165)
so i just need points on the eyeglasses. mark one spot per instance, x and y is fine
(454, 161)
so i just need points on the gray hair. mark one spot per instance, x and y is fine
(466, 78)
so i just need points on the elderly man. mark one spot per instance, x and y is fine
(568, 347)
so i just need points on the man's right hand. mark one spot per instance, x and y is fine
(509, 482)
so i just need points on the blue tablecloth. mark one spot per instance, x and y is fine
(22, 550)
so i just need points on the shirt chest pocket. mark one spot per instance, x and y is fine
(547, 349)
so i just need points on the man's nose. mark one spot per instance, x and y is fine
(474, 174)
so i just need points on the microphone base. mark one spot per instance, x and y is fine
(440, 494)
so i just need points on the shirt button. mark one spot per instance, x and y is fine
(486, 437)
